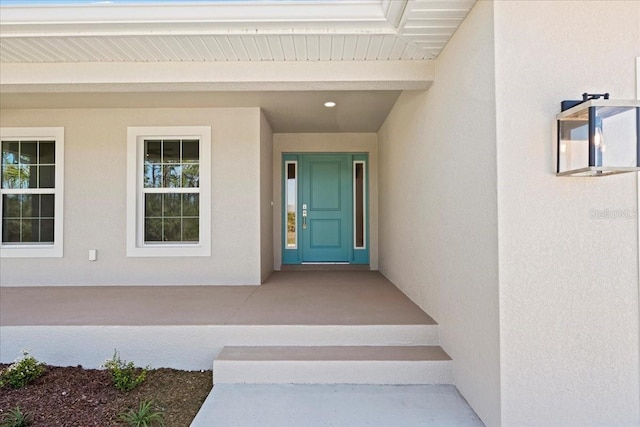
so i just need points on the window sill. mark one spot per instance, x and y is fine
(169, 251)
(30, 251)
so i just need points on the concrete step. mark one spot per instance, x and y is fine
(333, 365)
(192, 347)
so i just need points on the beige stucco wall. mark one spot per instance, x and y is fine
(95, 200)
(330, 143)
(568, 280)
(266, 198)
(438, 207)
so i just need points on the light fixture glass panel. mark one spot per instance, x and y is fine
(616, 127)
(574, 145)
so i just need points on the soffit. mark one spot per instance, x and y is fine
(338, 30)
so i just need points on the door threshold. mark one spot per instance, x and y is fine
(325, 263)
(325, 267)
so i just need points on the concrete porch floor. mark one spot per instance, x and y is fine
(286, 298)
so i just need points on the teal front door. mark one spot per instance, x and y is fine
(326, 207)
(322, 192)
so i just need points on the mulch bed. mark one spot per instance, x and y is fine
(79, 397)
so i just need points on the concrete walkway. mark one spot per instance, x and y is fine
(250, 405)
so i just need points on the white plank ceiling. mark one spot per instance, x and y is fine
(198, 48)
(387, 30)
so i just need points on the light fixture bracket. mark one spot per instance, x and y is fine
(565, 105)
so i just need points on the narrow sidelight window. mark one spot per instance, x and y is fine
(359, 208)
(291, 192)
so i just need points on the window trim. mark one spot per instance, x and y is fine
(135, 194)
(40, 250)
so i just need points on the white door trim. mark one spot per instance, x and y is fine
(638, 208)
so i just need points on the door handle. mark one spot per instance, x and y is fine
(304, 219)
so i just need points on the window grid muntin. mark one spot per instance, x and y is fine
(22, 160)
(168, 190)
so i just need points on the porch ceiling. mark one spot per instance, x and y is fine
(287, 112)
(272, 54)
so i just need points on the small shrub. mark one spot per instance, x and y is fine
(125, 375)
(15, 418)
(145, 416)
(21, 372)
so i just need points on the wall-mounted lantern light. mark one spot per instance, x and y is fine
(598, 136)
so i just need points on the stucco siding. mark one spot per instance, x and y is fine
(438, 207)
(95, 200)
(266, 198)
(568, 277)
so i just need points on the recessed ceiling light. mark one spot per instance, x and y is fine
(329, 104)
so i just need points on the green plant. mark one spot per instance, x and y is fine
(144, 416)
(21, 372)
(125, 375)
(15, 418)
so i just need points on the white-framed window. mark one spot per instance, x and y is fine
(169, 191)
(31, 192)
